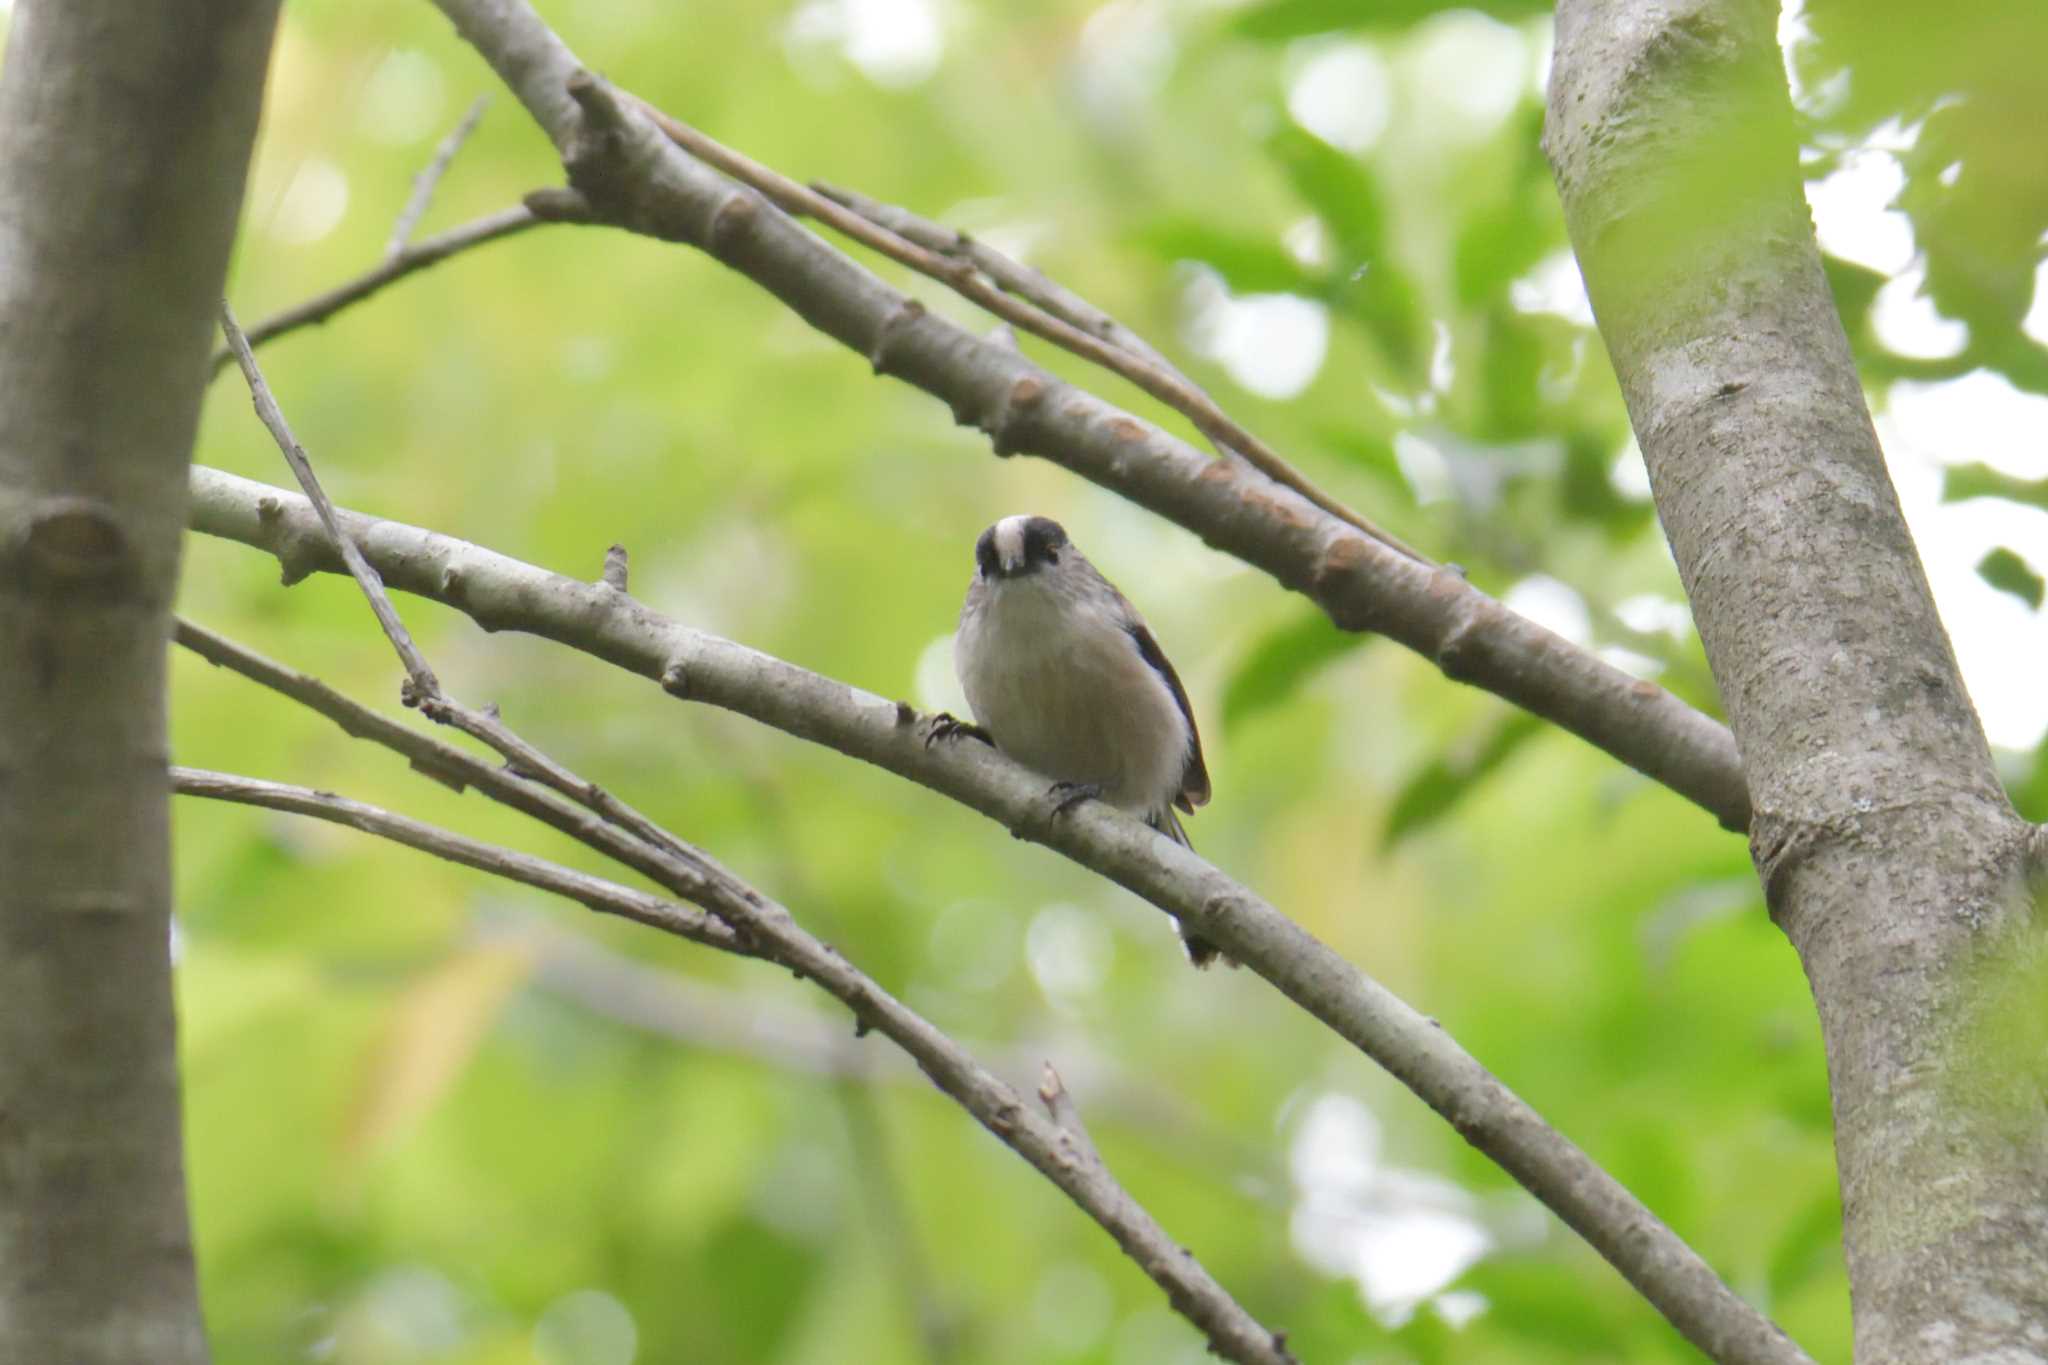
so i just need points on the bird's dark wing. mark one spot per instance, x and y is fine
(1194, 782)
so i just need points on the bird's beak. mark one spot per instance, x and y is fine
(1010, 565)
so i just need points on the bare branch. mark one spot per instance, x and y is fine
(1059, 1107)
(429, 179)
(616, 567)
(642, 181)
(961, 274)
(424, 683)
(530, 762)
(744, 921)
(605, 897)
(1010, 275)
(452, 766)
(501, 593)
(416, 257)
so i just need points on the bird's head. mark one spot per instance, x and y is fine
(1018, 546)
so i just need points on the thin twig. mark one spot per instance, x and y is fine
(418, 256)
(682, 868)
(429, 179)
(528, 761)
(963, 277)
(423, 682)
(1059, 1107)
(1010, 275)
(606, 897)
(502, 593)
(766, 929)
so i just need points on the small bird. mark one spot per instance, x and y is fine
(1064, 676)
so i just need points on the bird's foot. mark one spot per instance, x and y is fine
(945, 725)
(1067, 795)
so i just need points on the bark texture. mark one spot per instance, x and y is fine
(1887, 849)
(125, 131)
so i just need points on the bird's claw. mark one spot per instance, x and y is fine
(945, 725)
(1067, 795)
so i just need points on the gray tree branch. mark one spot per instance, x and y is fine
(741, 920)
(124, 140)
(637, 179)
(503, 594)
(1886, 847)
(595, 893)
(429, 179)
(421, 676)
(413, 258)
(977, 276)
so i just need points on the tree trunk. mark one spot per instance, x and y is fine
(125, 129)
(1887, 849)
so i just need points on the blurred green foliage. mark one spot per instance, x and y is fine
(1973, 191)
(410, 1143)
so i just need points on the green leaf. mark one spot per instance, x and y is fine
(1338, 187)
(1586, 493)
(1247, 263)
(1445, 781)
(1280, 663)
(1504, 240)
(2007, 572)
(1499, 245)
(1280, 21)
(1982, 481)
(1366, 284)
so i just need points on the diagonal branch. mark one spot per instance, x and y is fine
(424, 683)
(596, 893)
(503, 594)
(638, 179)
(1232, 1332)
(1011, 276)
(429, 179)
(964, 274)
(677, 868)
(417, 257)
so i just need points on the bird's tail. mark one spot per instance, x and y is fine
(1201, 952)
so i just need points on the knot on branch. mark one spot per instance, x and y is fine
(608, 159)
(76, 544)
(1345, 563)
(1004, 425)
(1778, 846)
(905, 313)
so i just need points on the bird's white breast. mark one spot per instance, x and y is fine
(1061, 685)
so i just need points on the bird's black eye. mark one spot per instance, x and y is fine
(1043, 541)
